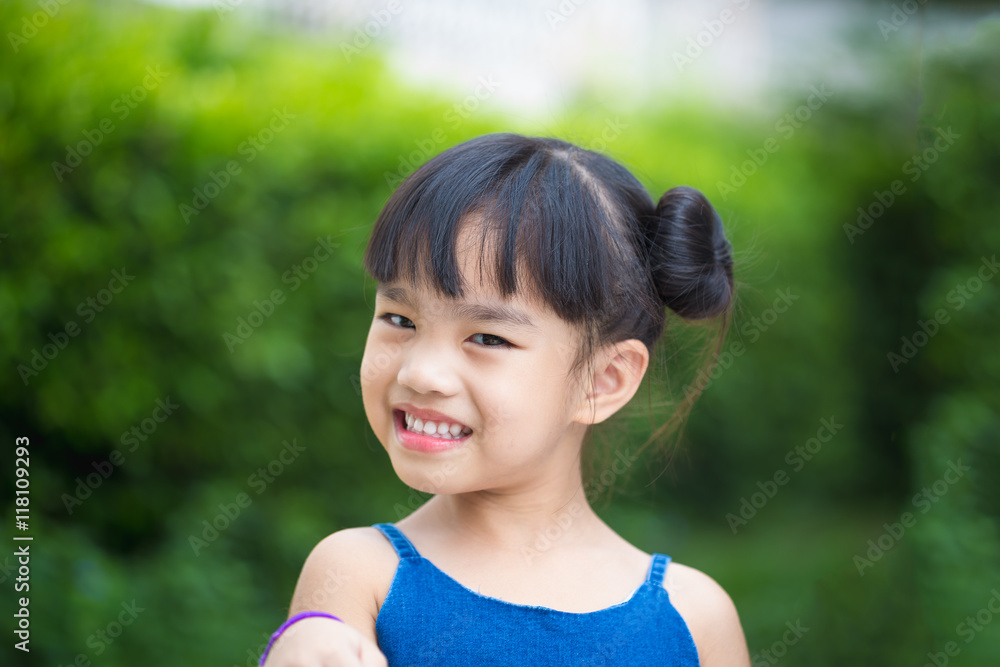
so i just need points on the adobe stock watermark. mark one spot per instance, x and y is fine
(779, 649)
(556, 528)
(132, 438)
(224, 7)
(560, 522)
(956, 300)
(713, 29)
(796, 458)
(295, 277)
(7, 568)
(496, 419)
(620, 464)
(914, 167)
(609, 134)
(900, 14)
(373, 364)
(250, 148)
(924, 500)
(333, 583)
(102, 638)
(437, 649)
(564, 10)
(968, 630)
(753, 329)
(786, 126)
(430, 145)
(30, 25)
(363, 35)
(258, 481)
(88, 310)
(122, 107)
(614, 647)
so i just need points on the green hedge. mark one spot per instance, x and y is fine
(185, 203)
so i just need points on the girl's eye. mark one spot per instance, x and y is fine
(489, 340)
(484, 339)
(397, 320)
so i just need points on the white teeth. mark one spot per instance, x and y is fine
(442, 430)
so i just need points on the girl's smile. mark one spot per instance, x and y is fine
(430, 432)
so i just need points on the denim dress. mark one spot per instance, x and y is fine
(429, 619)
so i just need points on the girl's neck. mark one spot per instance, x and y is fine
(540, 519)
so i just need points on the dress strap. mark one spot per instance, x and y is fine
(657, 568)
(404, 548)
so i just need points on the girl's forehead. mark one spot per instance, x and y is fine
(472, 286)
(477, 263)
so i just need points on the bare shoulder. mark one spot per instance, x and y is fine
(346, 575)
(710, 616)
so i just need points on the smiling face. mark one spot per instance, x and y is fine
(472, 393)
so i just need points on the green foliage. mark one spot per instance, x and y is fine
(194, 203)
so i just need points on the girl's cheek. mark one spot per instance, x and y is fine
(365, 371)
(370, 377)
(379, 359)
(497, 418)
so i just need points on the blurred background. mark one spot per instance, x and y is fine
(186, 190)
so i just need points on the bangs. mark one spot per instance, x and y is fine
(542, 222)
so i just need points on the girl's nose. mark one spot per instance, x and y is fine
(427, 369)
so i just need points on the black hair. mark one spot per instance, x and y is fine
(569, 225)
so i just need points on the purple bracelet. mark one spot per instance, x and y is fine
(286, 624)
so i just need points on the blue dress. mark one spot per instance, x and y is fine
(430, 619)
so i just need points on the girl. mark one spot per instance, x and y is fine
(522, 285)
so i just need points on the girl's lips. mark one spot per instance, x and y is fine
(419, 442)
(425, 414)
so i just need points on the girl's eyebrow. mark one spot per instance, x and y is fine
(477, 312)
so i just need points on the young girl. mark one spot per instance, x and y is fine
(522, 286)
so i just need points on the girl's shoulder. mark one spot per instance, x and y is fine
(360, 541)
(361, 555)
(347, 574)
(710, 615)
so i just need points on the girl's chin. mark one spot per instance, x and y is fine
(435, 479)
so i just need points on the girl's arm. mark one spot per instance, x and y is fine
(340, 577)
(710, 616)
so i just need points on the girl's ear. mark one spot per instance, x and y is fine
(617, 370)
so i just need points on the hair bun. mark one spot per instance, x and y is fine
(690, 258)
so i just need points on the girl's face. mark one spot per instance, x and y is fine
(474, 393)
